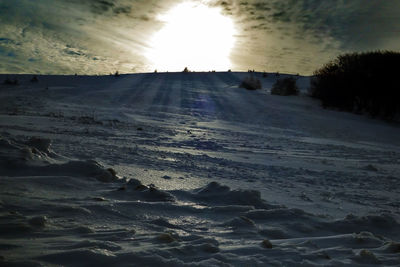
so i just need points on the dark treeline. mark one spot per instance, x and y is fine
(362, 83)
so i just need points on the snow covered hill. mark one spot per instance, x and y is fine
(176, 169)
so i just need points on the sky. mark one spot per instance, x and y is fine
(104, 36)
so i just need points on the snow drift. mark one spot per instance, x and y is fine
(191, 170)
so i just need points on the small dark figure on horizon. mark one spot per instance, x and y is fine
(34, 79)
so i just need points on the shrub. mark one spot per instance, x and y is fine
(116, 74)
(186, 70)
(286, 86)
(251, 83)
(361, 83)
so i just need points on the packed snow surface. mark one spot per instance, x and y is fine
(189, 169)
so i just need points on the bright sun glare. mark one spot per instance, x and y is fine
(194, 36)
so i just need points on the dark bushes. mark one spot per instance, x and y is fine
(361, 83)
(286, 86)
(251, 83)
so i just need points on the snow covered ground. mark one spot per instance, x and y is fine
(175, 169)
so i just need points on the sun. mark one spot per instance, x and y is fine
(194, 36)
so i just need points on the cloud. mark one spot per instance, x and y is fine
(314, 29)
(101, 36)
(65, 36)
(344, 21)
(102, 7)
(7, 41)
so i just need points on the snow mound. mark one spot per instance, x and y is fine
(215, 194)
(41, 144)
(16, 155)
(34, 157)
(88, 168)
(378, 224)
(240, 223)
(135, 190)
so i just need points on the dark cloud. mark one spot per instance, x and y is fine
(122, 10)
(325, 27)
(73, 52)
(102, 7)
(352, 23)
(260, 6)
(281, 16)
